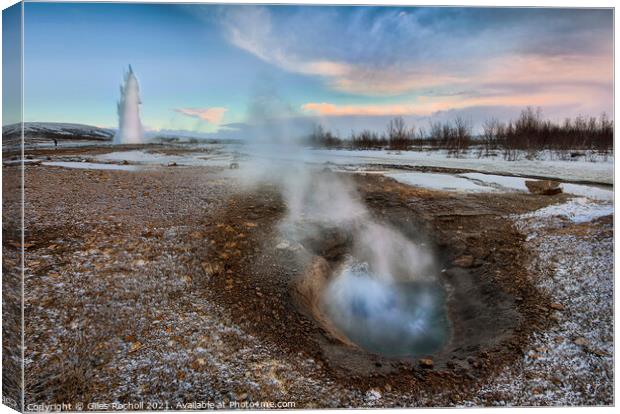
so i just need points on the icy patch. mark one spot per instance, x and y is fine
(500, 182)
(91, 165)
(589, 191)
(577, 210)
(153, 158)
(446, 182)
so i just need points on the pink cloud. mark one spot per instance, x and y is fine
(521, 80)
(582, 96)
(211, 115)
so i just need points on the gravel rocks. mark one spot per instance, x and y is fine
(572, 363)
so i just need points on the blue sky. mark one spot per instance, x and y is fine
(11, 61)
(213, 68)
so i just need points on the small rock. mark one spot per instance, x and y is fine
(556, 381)
(557, 306)
(543, 187)
(426, 363)
(283, 245)
(464, 261)
(598, 352)
(581, 341)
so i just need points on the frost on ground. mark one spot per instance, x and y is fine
(119, 305)
(577, 210)
(572, 363)
(117, 308)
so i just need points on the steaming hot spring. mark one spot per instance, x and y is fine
(383, 295)
(388, 318)
(373, 278)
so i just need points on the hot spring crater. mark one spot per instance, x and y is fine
(424, 289)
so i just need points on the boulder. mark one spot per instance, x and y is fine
(543, 187)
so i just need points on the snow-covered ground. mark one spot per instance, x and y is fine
(577, 210)
(505, 183)
(478, 182)
(216, 158)
(593, 201)
(90, 165)
(546, 166)
(500, 182)
(446, 182)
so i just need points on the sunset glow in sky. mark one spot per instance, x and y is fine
(213, 68)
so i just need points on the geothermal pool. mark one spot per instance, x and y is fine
(394, 319)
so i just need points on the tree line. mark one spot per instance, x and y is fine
(529, 132)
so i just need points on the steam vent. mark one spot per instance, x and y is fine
(129, 125)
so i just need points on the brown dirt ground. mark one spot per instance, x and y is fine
(127, 269)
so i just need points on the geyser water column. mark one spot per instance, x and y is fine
(129, 124)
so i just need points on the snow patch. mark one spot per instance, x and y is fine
(500, 182)
(91, 165)
(595, 193)
(152, 158)
(577, 210)
(545, 166)
(446, 182)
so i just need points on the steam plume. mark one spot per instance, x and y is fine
(383, 297)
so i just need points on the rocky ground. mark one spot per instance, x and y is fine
(173, 286)
(572, 363)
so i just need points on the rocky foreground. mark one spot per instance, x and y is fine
(171, 288)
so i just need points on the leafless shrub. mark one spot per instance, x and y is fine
(528, 134)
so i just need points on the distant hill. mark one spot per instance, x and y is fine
(45, 132)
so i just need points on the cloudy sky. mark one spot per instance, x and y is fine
(221, 68)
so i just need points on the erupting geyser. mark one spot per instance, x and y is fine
(129, 124)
